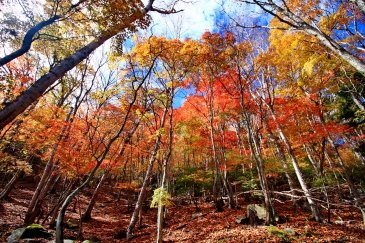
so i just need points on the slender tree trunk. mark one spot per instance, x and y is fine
(10, 185)
(303, 184)
(142, 194)
(210, 106)
(30, 214)
(312, 160)
(143, 191)
(28, 39)
(87, 215)
(240, 144)
(160, 211)
(226, 184)
(353, 189)
(54, 211)
(255, 151)
(282, 159)
(253, 143)
(330, 162)
(42, 186)
(61, 214)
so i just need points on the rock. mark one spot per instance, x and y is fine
(290, 231)
(256, 214)
(36, 231)
(16, 235)
(93, 239)
(196, 215)
(260, 211)
(30, 232)
(242, 219)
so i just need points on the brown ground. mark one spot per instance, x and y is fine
(110, 216)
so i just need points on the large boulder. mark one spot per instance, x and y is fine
(32, 231)
(256, 214)
(259, 210)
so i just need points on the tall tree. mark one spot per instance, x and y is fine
(116, 20)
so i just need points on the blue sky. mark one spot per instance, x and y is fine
(198, 16)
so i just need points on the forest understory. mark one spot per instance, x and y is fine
(186, 221)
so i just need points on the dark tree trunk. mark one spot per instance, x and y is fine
(34, 92)
(4, 194)
(28, 40)
(87, 215)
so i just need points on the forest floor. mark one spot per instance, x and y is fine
(111, 216)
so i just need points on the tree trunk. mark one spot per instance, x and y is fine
(353, 189)
(296, 22)
(210, 106)
(30, 215)
(36, 90)
(87, 215)
(4, 194)
(61, 214)
(330, 162)
(54, 211)
(282, 159)
(312, 160)
(315, 213)
(28, 40)
(226, 184)
(142, 194)
(253, 143)
(160, 211)
(43, 185)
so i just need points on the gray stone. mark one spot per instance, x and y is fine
(16, 235)
(260, 211)
(256, 214)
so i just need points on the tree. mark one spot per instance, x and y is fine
(324, 25)
(116, 20)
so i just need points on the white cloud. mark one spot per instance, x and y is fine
(197, 17)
